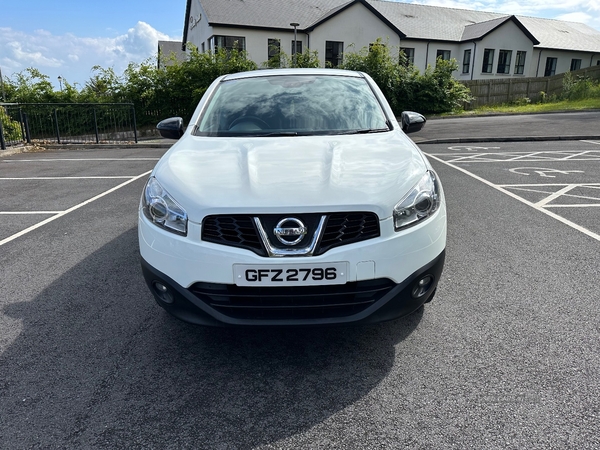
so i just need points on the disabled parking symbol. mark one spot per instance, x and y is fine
(542, 172)
(471, 148)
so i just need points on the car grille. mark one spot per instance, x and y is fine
(292, 303)
(236, 231)
(239, 230)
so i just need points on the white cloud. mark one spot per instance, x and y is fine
(576, 17)
(72, 57)
(31, 56)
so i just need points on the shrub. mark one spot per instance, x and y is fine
(579, 88)
(434, 91)
(11, 128)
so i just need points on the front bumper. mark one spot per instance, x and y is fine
(386, 301)
(194, 279)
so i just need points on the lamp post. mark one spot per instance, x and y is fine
(295, 46)
(2, 85)
(60, 82)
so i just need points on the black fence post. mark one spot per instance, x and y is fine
(56, 125)
(26, 124)
(134, 124)
(96, 126)
(2, 141)
(22, 124)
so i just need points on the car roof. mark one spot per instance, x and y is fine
(287, 72)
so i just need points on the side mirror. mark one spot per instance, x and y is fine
(171, 128)
(412, 121)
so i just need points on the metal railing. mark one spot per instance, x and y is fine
(67, 123)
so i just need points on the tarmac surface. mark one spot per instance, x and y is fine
(498, 128)
(506, 356)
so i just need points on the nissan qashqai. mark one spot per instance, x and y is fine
(293, 197)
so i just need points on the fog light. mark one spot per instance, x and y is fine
(422, 286)
(162, 292)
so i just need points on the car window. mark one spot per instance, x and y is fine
(292, 104)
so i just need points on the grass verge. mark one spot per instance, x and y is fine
(556, 106)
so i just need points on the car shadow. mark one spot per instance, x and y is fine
(98, 364)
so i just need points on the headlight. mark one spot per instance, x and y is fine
(419, 204)
(162, 209)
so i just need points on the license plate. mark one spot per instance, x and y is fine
(290, 274)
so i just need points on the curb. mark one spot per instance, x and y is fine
(105, 146)
(491, 114)
(471, 140)
(41, 148)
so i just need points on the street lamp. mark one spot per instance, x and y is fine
(60, 82)
(295, 47)
(2, 85)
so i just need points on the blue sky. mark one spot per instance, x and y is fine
(68, 37)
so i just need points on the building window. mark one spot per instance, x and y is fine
(504, 61)
(520, 63)
(550, 67)
(298, 45)
(444, 54)
(409, 54)
(575, 64)
(229, 42)
(488, 60)
(274, 52)
(467, 61)
(203, 47)
(333, 53)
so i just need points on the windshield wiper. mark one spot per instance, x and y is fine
(278, 133)
(365, 131)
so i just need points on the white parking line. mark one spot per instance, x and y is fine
(593, 205)
(124, 177)
(63, 213)
(79, 159)
(545, 156)
(20, 213)
(590, 185)
(556, 195)
(522, 200)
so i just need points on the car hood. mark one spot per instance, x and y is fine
(370, 172)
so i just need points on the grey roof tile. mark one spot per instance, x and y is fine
(268, 13)
(560, 34)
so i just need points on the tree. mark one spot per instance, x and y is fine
(405, 88)
(31, 86)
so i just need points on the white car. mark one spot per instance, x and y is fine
(293, 197)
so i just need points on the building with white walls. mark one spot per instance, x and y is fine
(486, 45)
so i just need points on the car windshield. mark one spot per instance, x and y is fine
(287, 105)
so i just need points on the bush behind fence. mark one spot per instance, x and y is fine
(507, 90)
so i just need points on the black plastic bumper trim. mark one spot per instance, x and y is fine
(396, 303)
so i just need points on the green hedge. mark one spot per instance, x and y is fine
(175, 89)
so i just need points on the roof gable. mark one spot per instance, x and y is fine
(334, 12)
(477, 31)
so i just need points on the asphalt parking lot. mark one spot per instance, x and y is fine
(506, 356)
